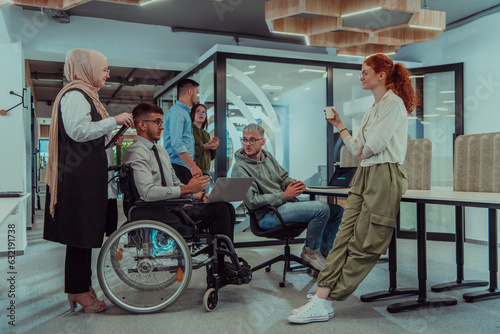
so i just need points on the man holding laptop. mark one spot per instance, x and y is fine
(273, 186)
(155, 179)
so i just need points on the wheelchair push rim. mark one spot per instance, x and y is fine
(144, 266)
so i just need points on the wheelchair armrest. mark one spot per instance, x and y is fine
(114, 168)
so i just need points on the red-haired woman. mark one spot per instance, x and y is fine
(380, 182)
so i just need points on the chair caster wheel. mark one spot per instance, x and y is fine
(210, 299)
(268, 269)
(282, 284)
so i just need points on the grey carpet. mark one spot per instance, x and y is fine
(259, 307)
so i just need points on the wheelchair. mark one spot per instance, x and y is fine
(145, 265)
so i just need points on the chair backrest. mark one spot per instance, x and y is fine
(127, 187)
(477, 163)
(347, 159)
(418, 164)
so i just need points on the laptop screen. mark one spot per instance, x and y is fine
(342, 176)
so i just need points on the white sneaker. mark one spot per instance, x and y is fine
(328, 306)
(314, 310)
(313, 257)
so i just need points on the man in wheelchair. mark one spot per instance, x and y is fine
(155, 180)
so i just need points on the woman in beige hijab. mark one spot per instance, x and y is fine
(77, 176)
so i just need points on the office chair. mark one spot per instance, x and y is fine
(285, 232)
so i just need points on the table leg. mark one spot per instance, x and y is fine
(493, 259)
(393, 289)
(422, 300)
(459, 244)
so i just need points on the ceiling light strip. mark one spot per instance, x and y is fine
(306, 38)
(348, 55)
(361, 12)
(146, 2)
(424, 27)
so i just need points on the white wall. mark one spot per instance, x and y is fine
(13, 165)
(476, 45)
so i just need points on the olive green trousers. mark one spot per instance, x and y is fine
(366, 229)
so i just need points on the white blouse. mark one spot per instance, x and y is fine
(383, 134)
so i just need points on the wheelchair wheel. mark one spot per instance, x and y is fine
(144, 267)
(210, 299)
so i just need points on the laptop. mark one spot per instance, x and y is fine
(341, 178)
(229, 189)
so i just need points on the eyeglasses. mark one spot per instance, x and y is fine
(363, 74)
(107, 70)
(157, 121)
(251, 140)
(199, 111)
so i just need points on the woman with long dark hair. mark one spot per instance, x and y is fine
(205, 149)
(380, 182)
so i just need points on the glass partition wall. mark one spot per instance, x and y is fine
(287, 97)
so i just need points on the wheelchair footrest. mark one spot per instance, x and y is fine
(235, 276)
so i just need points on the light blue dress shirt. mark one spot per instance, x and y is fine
(178, 135)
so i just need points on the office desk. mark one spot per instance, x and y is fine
(491, 201)
(13, 212)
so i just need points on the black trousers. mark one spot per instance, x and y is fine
(77, 270)
(183, 173)
(111, 216)
(218, 218)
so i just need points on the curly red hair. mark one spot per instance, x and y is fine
(398, 78)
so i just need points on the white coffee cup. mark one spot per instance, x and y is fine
(329, 112)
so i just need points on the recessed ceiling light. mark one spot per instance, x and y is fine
(302, 70)
(272, 87)
(248, 72)
(252, 66)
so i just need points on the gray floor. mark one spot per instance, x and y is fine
(259, 307)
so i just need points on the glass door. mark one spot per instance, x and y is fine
(438, 118)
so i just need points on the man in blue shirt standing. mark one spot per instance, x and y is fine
(178, 138)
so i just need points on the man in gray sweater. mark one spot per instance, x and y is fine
(273, 186)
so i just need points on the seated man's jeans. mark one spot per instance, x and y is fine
(322, 221)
